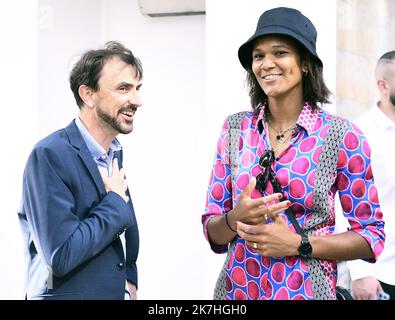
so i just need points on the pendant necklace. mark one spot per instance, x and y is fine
(280, 134)
(282, 140)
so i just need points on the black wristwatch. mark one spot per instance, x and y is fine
(305, 247)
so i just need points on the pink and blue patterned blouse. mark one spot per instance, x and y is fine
(252, 276)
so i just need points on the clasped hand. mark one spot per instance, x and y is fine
(117, 181)
(275, 239)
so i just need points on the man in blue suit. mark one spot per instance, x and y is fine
(80, 230)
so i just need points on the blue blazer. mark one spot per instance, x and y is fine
(71, 225)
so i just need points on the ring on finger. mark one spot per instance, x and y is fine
(265, 216)
(255, 245)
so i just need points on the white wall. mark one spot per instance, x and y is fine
(192, 81)
(66, 30)
(18, 90)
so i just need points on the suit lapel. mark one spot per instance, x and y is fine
(78, 142)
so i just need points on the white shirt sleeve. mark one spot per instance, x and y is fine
(360, 269)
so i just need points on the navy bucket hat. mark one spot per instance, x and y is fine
(282, 21)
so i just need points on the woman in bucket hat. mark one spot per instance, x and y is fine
(270, 201)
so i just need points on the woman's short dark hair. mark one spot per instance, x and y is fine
(87, 70)
(314, 89)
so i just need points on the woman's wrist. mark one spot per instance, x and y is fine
(231, 226)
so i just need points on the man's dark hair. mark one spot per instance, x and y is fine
(388, 56)
(87, 70)
(314, 89)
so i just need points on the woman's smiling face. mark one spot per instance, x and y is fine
(277, 66)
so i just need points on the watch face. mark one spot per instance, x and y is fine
(305, 248)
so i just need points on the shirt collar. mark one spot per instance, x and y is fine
(382, 121)
(95, 149)
(307, 117)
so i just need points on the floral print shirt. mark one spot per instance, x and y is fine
(252, 276)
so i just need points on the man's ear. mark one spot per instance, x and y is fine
(86, 94)
(382, 86)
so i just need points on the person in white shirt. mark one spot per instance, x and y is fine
(378, 125)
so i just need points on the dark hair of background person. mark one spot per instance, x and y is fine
(388, 56)
(88, 69)
(314, 89)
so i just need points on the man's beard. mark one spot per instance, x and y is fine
(392, 98)
(114, 123)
